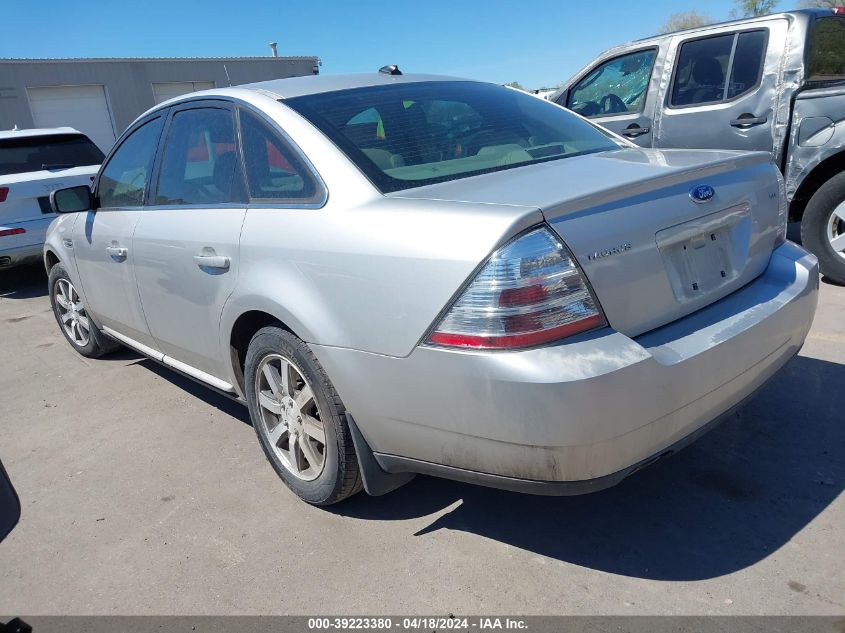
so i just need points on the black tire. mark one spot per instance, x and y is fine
(340, 476)
(98, 344)
(814, 226)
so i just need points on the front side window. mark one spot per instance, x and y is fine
(429, 132)
(618, 86)
(273, 172)
(54, 151)
(200, 163)
(826, 59)
(718, 68)
(125, 176)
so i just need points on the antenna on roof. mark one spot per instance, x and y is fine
(391, 69)
(226, 70)
(15, 129)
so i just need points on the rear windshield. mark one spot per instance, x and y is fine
(826, 60)
(55, 151)
(407, 135)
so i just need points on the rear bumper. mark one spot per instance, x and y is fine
(583, 414)
(26, 247)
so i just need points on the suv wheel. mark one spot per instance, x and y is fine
(299, 418)
(73, 319)
(823, 227)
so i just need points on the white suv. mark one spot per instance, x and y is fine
(32, 164)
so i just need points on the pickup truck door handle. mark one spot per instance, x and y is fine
(748, 120)
(212, 261)
(117, 252)
(634, 130)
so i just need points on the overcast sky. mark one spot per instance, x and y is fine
(536, 42)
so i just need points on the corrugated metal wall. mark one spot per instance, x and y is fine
(128, 83)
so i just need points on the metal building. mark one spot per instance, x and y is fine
(101, 97)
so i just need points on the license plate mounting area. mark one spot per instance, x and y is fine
(704, 255)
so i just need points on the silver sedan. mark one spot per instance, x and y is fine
(406, 274)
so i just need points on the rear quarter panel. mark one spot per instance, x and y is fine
(372, 277)
(363, 271)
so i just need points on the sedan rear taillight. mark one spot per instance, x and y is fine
(528, 293)
(4, 191)
(5, 232)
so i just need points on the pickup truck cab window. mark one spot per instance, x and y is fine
(718, 68)
(124, 178)
(826, 59)
(618, 86)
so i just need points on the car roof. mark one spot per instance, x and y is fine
(316, 84)
(42, 131)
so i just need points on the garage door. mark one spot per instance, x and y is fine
(82, 107)
(169, 89)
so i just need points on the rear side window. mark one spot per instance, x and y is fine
(718, 68)
(124, 178)
(826, 60)
(618, 86)
(200, 163)
(273, 171)
(410, 134)
(54, 151)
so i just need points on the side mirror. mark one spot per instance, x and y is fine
(10, 505)
(72, 199)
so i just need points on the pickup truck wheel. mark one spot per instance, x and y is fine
(823, 227)
(72, 317)
(299, 418)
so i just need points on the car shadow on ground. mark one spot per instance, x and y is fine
(220, 402)
(726, 502)
(23, 282)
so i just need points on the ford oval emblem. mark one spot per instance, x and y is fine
(702, 193)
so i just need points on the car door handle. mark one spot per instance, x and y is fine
(748, 120)
(117, 252)
(212, 261)
(635, 130)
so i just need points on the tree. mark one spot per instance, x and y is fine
(753, 8)
(822, 4)
(685, 20)
(515, 84)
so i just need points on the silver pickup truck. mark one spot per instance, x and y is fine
(774, 83)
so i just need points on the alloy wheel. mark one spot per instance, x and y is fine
(289, 417)
(72, 313)
(836, 231)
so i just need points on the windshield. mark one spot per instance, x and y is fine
(55, 151)
(407, 135)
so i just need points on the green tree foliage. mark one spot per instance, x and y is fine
(685, 20)
(515, 84)
(753, 8)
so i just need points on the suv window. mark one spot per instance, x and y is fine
(200, 163)
(617, 86)
(53, 151)
(718, 68)
(125, 176)
(272, 169)
(826, 60)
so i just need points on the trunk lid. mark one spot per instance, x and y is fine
(651, 253)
